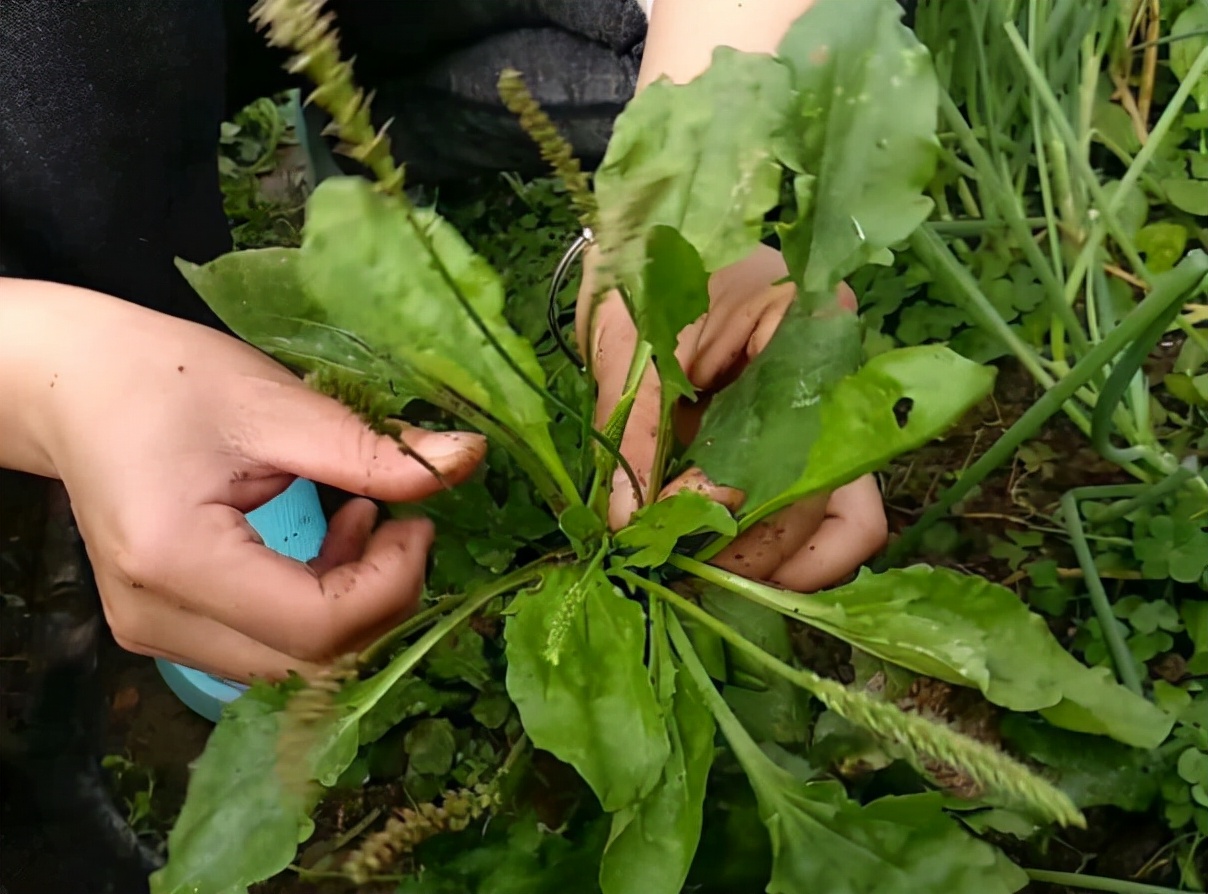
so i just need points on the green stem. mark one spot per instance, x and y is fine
(1096, 883)
(1148, 496)
(1126, 667)
(1004, 201)
(986, 766)
(977, 227)
(1105, 208)
(614, 430)
(1170, 286)
(367, 693)
(741, 743)
(374, 653)
(932, 251)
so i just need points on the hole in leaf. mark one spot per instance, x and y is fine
(901, 411)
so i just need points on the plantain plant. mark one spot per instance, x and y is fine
(617, 644)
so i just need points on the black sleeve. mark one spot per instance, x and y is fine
(109, 116)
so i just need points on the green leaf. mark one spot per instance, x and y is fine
(1188, 30)
(1162, 244)
(260, 295)
(520, 857)
(596, 709)
(1092, 770)
(823, 841)
(398, 276)
(652, 843)
(431, 747)
(770, 707)
(895, 403)
(861, 137)
(409, 697)
(968, 631)
(1193, 767)
(655, 529)
(696, 157)
(757, 433)
(672, 292)
(1187, 195)
(459, 657)
(581, 526)
(239, 824)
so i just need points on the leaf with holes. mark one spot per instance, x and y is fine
(756, 435)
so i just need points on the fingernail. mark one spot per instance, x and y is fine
(439, 448)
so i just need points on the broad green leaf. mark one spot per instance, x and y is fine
(1187, 195)
(652, 843)
(696, 157)
(398, 276)
(861, 137)
(895, 403)
(596, 709)
(756, 435)
(260, 295)
(240, 824)
(655, 529)
(672, 292)
(1163, 244)
(1188, 29)
(1092, 770)
(770, 707)
(823, 841)
(431, 747)
(968, 631)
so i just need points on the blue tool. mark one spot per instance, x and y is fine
(293, 525)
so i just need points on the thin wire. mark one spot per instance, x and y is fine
(580, 245)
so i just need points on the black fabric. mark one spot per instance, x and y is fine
(110, 109)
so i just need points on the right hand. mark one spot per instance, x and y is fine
(165, 434)
(812, 544)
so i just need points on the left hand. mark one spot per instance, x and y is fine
(810, 545)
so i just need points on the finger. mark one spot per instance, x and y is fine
(286, 604)
(742, 298)
(763, 548)
(854, 530)
(348, 533)
(615, 339)
(696, 480)
(148, 625)
(313, 436)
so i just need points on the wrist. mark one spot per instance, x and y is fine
(28, 329)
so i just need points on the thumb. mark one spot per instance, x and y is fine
(614, 339)
(304, 433)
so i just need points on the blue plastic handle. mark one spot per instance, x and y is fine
(293, 525)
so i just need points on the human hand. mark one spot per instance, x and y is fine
(805, 547)
(165, 434)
